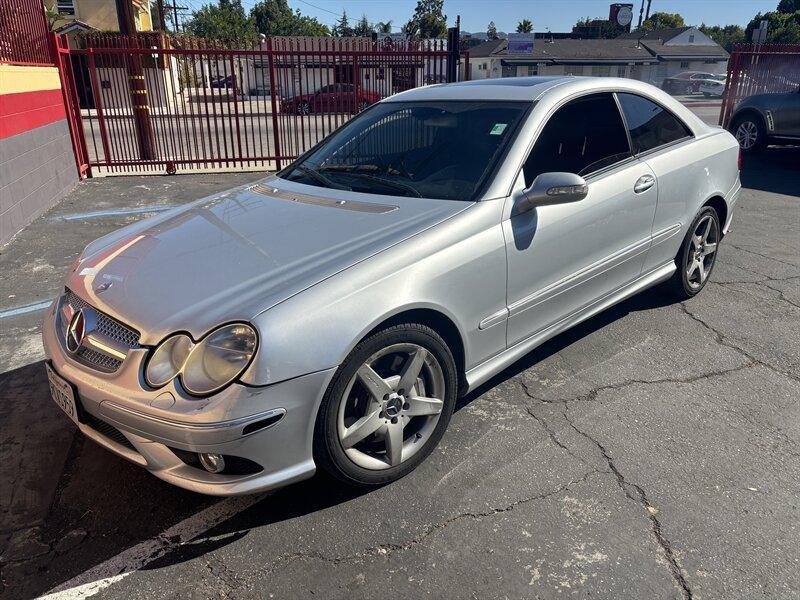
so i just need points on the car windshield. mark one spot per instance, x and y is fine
(443, 150)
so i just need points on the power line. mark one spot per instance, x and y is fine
(320, 8)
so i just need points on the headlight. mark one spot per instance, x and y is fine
(207, 366)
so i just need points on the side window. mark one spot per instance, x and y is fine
(583, 136)
(649, 124)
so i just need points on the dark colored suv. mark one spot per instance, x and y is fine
(767, 119)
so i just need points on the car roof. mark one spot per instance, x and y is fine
(506, 88)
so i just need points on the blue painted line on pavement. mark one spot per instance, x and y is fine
(13, 312)
(112, 213)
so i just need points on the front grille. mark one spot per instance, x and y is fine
(110, 327)
(106, 430)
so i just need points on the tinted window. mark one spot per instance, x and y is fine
(649, 124)
(430, 149)
(582, 137)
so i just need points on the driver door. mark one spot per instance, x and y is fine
(562, 258)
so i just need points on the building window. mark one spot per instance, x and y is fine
(65, 7)
(574, 70)
(533, 70)
(684, 64)
(710, 61)
(621, 71)
(691, 39)
(601, 71)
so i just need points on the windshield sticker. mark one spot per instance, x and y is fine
(498, 129)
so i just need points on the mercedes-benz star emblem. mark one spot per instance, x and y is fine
(76, 331)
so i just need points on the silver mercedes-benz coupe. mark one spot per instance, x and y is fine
(331, 314)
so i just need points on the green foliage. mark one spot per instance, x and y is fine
(428, 20)
(225, 20)
(491, 31)
(274, 17)
(608, 30)
(663, 20)
(788, 6)
(384, 26)
(725, 36)
(363, 28)
(342, 27)
(783, 28)
(525, 26)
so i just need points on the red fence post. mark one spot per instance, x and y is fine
(272, 92)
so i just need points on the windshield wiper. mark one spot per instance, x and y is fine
(320, 178)
(370, 168)
(394, 184)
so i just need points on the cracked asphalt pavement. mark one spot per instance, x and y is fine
(651, 452)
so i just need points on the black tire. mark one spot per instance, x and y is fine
(304, 108)
(679, 285)
(328, 450)
(750, 120)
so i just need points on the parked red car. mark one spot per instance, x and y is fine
(337, 97)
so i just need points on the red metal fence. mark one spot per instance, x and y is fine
(24, 33)
(759, 69)
(152, 103)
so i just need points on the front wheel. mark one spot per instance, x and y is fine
(697, 255)
(387, 407)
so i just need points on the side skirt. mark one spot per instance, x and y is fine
(481, 373)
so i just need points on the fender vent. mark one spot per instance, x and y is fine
(353, 205)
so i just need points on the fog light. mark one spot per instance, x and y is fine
(213, 463)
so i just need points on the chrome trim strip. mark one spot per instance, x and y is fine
(579, 277)
(666, 233)
(233, 423)
(483, 371)
(354, 205)
(494, 319)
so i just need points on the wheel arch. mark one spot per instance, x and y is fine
(748, 110)
(441, 323)
(718, 203)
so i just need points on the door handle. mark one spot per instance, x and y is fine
(644, 183)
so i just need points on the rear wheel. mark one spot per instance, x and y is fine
(387, 407)
(303, 108)
(749, 132)
(697, 255)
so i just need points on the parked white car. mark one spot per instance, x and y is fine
(714, 87)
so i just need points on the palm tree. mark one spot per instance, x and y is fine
(525, 26)
(383, 27)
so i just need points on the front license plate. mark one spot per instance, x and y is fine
(63, 393)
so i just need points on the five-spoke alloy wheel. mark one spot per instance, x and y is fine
(697, 255)
(387, 406)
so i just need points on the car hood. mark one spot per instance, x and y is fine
(235, 254)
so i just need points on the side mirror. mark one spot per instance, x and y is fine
(553, 188)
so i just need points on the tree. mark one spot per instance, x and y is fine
(225, 20)
(342, 27)
(663, 20)
(788, 7)
(428, 20)
(363, 28)
(525, 26)
(491, 31)
(783, 28)
(725, 36)
(384, 27)
(598, 28)
(274, 17)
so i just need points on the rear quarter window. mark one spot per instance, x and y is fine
(650, 125)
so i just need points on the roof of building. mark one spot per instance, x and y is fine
(597, 51)
(566, 51)
(686, 51)
(74, 25)
(656, 34)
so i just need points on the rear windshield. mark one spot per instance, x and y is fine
(442, 150)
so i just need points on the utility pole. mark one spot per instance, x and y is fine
(647, 14)
(136, 83)
(162, 23)
(641, 12)
(175, 8)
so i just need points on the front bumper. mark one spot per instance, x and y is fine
(147, 426)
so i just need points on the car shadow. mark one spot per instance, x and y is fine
(774, 169)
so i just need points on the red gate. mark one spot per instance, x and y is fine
(759, 69)
(154, 103)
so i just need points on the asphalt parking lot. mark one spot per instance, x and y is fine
(652, 452)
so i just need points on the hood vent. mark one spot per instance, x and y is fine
(354, 205)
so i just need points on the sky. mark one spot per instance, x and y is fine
(555, 15)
